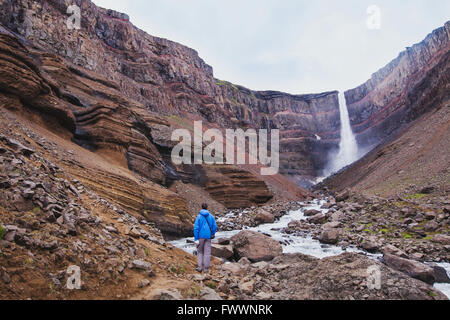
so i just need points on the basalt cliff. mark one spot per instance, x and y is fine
(86, 175)
(117, 91)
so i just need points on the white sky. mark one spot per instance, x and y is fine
(294, 46)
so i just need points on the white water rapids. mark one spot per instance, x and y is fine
(291, 243)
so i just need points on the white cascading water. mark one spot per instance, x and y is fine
(348, 147)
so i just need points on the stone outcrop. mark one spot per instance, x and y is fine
(236, 188)
(255, 246)
(343, 277)
(412, 268)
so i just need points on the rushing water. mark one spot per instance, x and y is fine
(304, 244)
(291, 243)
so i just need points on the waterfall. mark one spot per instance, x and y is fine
(348, 147)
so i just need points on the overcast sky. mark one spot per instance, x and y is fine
(294, 46)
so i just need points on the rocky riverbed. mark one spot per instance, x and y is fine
(320, 244)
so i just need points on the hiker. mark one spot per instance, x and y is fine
(205, 229)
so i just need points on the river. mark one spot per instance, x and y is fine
(304, 244)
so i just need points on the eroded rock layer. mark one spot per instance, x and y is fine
(412, 84)
(171, 79)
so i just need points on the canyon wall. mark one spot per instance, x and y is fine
(409, 86)
(171, 79)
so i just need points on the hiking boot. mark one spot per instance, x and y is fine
(198, 269)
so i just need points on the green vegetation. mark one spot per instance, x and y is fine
(193, 291)
(226, 84)
(221, 83)
(180, 269)
(147, 252)
(406, 235)
(211, 285)
(417, 196)
(384, 231)
(2, 232)
(432, 294)
(36, 210)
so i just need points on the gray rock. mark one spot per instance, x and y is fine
(223, 241)
(144, 283)
(442, 239)
(330, 236)
(317, 219)
(312, 212)
(390, 249)
(412, 268)
(172, 294)
(142, 265)
(209, 294)
(220, 251)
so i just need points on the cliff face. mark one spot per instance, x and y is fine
(412, 84)
(171, 79)
(119, 93)
(171, 84)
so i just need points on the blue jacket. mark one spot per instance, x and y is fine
(201, 228)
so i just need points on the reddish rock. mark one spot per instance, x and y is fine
(412, 268)
(256, 246)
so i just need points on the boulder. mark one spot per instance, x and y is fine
(255, 246)
(209, 294)
(330, 236)
(220, 251)
(412, 268)
(234, 268)
(317, 219)
(440, 273)
(144, 283)
(331, 225)
(370, 245)
(431, 226)
(390, 249)
(172, 294)
(142, 265)
(223, 241)
(442, 239)
(247, 287)
(427, 190)
(343, 196)
(312, 212)
(337, 216)
(430, 215)
(264, 216)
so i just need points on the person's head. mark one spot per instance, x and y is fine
(204, 206)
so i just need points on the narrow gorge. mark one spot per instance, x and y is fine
(87, 176)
